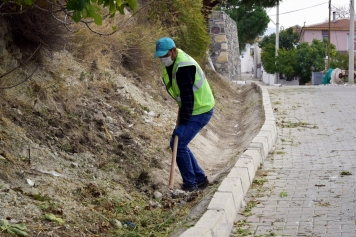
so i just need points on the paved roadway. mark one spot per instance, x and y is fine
(306, 193)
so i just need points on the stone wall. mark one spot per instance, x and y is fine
(224, 50)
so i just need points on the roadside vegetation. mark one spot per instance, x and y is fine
(85, 120)
(298, 59)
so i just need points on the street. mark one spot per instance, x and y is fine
(306, 186)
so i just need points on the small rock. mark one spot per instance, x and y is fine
(107, 105)
(153, 204)
(147, 120)
(17, 111)
(13, 221)
(157, 195)
(117, 224)
(99, 116)
(75, 165)
(128, 196)
(182, 203)
(178, 193)
(30, 182)
(109, 119)
(145, 189)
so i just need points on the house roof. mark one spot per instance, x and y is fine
(340, 24)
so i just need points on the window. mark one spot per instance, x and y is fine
(324, 34)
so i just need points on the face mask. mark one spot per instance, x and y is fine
(167, 61)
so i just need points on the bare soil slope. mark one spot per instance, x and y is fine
(83, 150)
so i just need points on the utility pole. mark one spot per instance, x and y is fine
(329, 35)
(351, 43)
(276, 80)
(255, 59)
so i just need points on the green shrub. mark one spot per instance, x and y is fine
(185, 23)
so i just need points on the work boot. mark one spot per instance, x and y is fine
(189, 188)
(204, 184)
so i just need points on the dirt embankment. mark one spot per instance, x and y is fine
(90, 147)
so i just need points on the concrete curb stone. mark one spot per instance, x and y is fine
(241, 173)
(222, 211)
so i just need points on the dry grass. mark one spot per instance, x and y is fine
(59, 106)
(131, 47)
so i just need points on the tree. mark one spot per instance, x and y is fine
(288, 39)
(76, 9)
(311, 58)
(250, 17)
(90, 8)
(340, 60)
(293, 58)
(208, 5)
(268, 58)
(249, 3)
(341, 12)
(251, 22)
(285, 63)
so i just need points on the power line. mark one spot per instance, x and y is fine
(300, 9)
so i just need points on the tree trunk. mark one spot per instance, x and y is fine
(208, 5)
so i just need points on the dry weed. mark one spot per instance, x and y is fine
(130, 47)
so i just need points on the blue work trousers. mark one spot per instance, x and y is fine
(188, 166)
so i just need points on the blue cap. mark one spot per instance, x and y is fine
(163, 45)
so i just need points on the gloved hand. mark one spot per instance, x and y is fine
(179, 131)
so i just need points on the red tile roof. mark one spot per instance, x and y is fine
(340, 24)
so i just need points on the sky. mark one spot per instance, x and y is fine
(311, 14)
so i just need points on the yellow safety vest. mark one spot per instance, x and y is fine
(203, 97)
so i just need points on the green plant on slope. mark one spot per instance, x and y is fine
(82, 9)
(185, 23)
(13, 229)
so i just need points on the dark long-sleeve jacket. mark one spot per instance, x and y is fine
(185, 80)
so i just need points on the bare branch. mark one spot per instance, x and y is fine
(73, 31)
(55, 17)
(98, 33)
(8, 72)
(27, 78)
(341, 12)
(19, 11)
(42, 9)
(15, 13)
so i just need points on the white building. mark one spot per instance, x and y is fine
(250, 60)
(247, 59)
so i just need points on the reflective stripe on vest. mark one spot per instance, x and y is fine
(203, 97)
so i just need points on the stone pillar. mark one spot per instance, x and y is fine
(224, 50)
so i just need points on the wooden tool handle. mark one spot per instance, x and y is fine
(174, 156)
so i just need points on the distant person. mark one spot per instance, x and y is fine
(186, 83)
